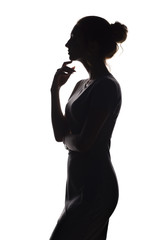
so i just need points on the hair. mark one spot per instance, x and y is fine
(105, 34)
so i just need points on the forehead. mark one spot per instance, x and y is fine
(76, 30)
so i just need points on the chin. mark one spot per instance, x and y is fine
(72, 58)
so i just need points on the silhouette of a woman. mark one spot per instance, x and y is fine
(86, 129)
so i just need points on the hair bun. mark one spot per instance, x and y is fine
(119, 32)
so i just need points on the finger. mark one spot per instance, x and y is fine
(65, 63)
(64, 73)
(68, 70)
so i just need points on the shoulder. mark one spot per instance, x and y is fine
(106, 93)
(108, 85)
(110, 81)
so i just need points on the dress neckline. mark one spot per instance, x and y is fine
(84, 86)
(90, 82)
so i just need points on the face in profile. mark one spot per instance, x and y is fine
(76, 45)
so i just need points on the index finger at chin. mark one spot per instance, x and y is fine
(65, 63)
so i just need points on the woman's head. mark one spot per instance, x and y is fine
(94, 35)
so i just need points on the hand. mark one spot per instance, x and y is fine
(62, 75)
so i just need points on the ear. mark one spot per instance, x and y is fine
(93, 47)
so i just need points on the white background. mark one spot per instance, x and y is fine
(32, 165)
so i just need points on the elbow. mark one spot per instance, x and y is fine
(59, 132)
(58, 137)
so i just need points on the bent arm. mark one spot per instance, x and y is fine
(59, 122)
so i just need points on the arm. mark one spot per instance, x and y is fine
(59, 122)
(57, 117)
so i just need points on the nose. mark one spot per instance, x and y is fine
(67, 44)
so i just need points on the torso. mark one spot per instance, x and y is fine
(91, 174)
(79, 103)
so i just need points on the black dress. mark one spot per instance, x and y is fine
(91, 187)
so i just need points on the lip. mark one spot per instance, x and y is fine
(69, 52)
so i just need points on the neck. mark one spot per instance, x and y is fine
(95, 69)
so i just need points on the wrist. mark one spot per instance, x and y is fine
(55, 87)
